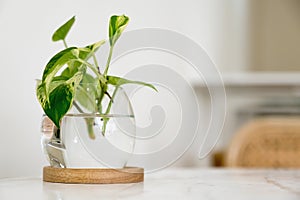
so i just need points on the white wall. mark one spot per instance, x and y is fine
(25, 31)
(275, 41)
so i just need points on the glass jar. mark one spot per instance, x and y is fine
(88, 138)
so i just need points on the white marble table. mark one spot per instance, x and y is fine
(168, 184)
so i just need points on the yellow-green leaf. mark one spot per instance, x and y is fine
(56, 63)
(117, 81)
(61, 32)
(57, 102)
(117, 24)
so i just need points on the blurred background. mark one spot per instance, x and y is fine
(254, 43)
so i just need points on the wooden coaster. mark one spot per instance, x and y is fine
(93, 176)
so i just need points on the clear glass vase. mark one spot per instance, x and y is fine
(88, 138)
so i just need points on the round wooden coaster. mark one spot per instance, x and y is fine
(93, 176)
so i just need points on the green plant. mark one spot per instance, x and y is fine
(56, 91)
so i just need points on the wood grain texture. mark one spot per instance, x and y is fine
(93, 176)
(266, 142)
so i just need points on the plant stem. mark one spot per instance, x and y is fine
(108, 60)
(101, 78)
(106, 119)
(111, 100)
(77, 107)
(96, 63)
(89, 121)
(65, 44)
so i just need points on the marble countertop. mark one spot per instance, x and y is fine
(168, 184)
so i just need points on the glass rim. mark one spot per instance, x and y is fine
(97, 115)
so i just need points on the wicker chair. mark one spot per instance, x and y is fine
(269, 142)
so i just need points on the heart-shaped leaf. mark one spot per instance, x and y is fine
(117, 24)
(59, 100)
(61, 32)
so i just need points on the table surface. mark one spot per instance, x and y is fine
(168, 184)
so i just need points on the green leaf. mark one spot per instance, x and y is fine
(117, 24)
(56, 63)
(61, 32)
(56, 81)
(60, 101)
(117, 81)
(84, 54)
(72, 68)
(94, 47)
(41, 94)
(58, 60)
(86, 93)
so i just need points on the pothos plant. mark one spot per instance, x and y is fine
(61, 85)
